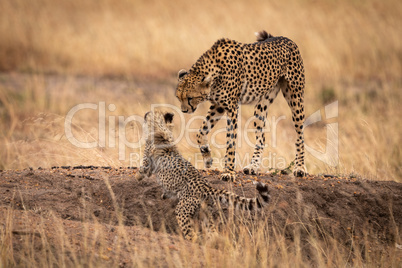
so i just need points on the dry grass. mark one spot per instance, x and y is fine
(53, 53)
(340, 40)
(30, 238)
(352, 52)
(34, 107)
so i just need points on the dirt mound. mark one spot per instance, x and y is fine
(345, 209)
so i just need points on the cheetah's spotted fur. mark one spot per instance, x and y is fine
(177, 176)
(231, 73)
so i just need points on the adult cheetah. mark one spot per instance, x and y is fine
(231, 73)
(178, 177)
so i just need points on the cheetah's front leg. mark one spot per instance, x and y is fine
(215, 112)
(231, 136)
(145, 169)
(260, 114)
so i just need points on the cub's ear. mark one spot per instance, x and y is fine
(205, 82)
(181, 73)
(145, 116)
(168, 118)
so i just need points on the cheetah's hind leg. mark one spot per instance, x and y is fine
(185, 212)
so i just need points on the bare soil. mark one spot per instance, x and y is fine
(346, 209)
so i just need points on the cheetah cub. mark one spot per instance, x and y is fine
(180, 178)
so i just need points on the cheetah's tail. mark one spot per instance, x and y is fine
(246, 203)
(263, 190)
(262, 36)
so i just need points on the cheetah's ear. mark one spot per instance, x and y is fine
(181, 73)
(145, 116)
(168, 118)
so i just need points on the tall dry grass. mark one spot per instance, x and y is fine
(34, 109)
(352, 52)
(35, 238)
(339, 40)
(57, 54)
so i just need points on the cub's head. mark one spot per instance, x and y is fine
(192, 89)
(158, 125)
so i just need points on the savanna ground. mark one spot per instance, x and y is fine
(117, 59)
(102, 216)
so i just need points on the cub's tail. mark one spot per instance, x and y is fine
(242, 202)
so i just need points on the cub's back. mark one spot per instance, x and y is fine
(176, 173)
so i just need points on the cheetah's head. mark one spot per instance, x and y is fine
(158, 125)
(192, 89)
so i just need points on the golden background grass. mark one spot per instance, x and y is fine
(55, 55)
(58, 54)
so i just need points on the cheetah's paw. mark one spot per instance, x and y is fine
(208, 162)
(139, 176)
(228, 176)
(250, 169)
(206, 154)
(300, 171)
